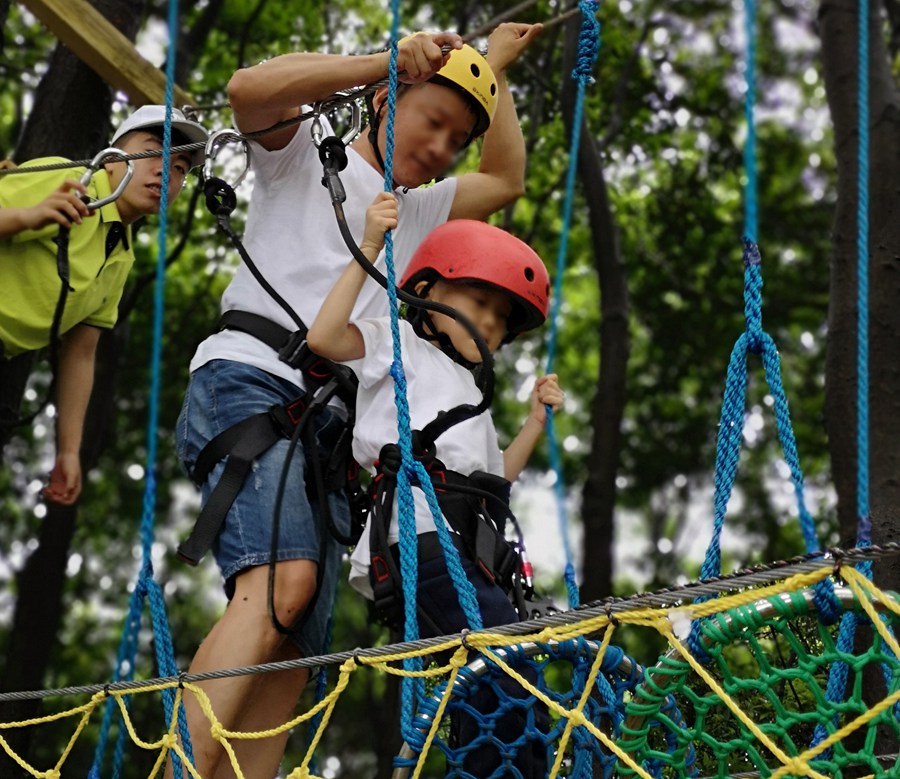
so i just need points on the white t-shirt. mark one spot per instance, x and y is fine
(434, 383)
(293, 238)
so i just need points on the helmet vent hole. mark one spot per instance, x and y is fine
(476, 71)
(529, 274)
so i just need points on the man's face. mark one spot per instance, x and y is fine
(143, 195)
(432, 124)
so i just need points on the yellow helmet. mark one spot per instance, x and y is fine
(468, 72)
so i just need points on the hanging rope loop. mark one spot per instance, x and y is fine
(588, 43)
(753, 296)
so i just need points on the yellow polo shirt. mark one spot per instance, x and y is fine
(29, 282)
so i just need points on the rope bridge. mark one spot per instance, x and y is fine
(751, 710)
(750, 683)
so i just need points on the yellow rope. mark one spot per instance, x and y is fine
(487, 643)
(585, 694)
(575, 715)
(459, 659)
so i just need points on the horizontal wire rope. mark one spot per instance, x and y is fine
(672, 597)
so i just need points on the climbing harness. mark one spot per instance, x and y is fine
(475, 506)
(242, 443)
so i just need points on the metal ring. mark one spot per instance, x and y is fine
(95, 166)
(216, 141)
(316, 129)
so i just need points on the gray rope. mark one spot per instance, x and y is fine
(334, 102)
(763, 574)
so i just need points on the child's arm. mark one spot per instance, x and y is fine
(546, 392)
(64, 206)
(332, 335)
(76, 378)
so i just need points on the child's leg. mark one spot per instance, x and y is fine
(437, 596)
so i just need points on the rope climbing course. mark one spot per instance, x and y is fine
(762, 673)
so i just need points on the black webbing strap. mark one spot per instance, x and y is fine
(477, 530)
(293, 350)
(270, 333)
(241, 444)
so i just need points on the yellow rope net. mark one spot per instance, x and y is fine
(747, 710)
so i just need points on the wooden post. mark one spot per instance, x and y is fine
(97, 43)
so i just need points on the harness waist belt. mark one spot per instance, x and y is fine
(429, 546)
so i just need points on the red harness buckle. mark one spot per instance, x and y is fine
(296, 410)
(379, 569)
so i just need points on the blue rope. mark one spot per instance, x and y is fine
(146, 586)
(756, 340)
(412, 471)
(864, 531)
(731, 425)
(588, 48)
(751, 210)
(837, 678)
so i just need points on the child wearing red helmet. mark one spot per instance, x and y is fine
(501, 286)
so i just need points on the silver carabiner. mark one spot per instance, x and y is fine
(216, 141)
(318, 133)
(95, 166)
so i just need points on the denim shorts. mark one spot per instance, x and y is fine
(222, 393)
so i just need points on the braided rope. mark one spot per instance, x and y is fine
(588, 48)
(755, 340)
(412, 471)
(146, 587)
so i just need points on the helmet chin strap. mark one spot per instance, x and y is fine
(423, 326)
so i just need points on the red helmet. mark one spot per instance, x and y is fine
(478, 253)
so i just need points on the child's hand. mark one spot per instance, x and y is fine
(381, 216)
(546, 392)
(65, 207)
(65, 480)
(421, 55)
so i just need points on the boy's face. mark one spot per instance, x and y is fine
(432, 124)
(488, 308)
(143, 195)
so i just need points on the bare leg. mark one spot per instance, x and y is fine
(246, 636)
(272, 704)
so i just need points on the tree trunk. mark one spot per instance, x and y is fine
(607, 407)
(839, 32)
(838, 29)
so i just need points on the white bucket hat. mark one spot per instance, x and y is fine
(155, 116)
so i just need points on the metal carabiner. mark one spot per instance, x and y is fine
(318, 134)
(216, 141)
(95, 166)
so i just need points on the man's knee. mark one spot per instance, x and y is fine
(295, 585)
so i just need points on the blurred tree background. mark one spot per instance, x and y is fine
(652, 306)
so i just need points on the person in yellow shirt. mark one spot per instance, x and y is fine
(33, 209)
